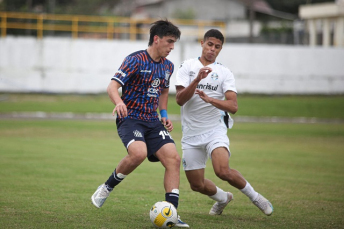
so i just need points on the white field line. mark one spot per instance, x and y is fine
(108, 116)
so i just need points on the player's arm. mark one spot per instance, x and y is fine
(163, 100)
(230, 104)
(184, 94)
(120, 107)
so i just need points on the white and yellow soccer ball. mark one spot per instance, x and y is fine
(163, 215)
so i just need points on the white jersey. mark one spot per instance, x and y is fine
(197, 116)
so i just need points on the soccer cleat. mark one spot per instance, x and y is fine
(264, 205)
(99, 197)
(181, 223)
(217, 208)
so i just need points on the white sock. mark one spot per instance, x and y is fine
(220, 195)
(249, 191)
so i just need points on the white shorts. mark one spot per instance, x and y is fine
(197, 149)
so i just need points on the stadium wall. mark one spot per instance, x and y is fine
(63, 65)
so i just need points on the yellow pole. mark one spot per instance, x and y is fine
(200, 31)
(3, 25)
(75, 27)
(110, 30)
(132, 30)
(40, 26)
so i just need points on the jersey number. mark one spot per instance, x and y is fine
(164, 134)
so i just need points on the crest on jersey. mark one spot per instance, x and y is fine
(156, 82)
(214, 76)
(192, 73)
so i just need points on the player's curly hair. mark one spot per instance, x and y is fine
(214, 33)
(163, 28)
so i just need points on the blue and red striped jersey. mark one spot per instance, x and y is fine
(142, 81)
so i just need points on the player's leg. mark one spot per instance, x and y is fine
(161, 147)
(137, 152)
(220, 160)
(199, 184)
(194, 163)
(170, 159)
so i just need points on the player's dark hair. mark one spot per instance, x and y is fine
(214, 33)
(163, 28)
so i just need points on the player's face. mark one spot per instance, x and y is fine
(211, 49)
(165, 45)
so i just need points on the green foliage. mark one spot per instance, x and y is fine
(276, 30)
(188, 13)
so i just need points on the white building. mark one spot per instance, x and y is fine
(325, 19)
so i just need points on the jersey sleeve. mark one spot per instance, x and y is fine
(168, 75)
(127, 69)
(229, 82)
(183, 78)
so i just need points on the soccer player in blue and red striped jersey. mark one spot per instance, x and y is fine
(144, 77)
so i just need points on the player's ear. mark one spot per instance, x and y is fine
(156, 39)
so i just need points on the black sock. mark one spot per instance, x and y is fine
(172, 198)
(113, 181)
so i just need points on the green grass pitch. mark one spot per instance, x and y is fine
(50, 168)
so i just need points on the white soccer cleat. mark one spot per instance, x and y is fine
(217, 208)
(99, 197)
(264, 205)
(181, 223)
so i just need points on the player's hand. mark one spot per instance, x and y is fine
(203, 72)
(121, 110)
(203, 96)
(167, 123)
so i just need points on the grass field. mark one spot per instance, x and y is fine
(249, 105)
(50, 168)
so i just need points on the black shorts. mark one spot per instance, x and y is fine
(153, 134)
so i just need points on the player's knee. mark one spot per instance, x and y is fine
(138, 157)
(175, 159)
(171, 161)
(224, 174)
(196, 187)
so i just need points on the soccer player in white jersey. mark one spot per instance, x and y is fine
(206, 93)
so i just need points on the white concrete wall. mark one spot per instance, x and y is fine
(63, 65)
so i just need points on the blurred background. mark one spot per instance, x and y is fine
(75, 46)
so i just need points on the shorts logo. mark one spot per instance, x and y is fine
(184, 163)
(137, 134)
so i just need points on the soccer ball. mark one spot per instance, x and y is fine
(163, 215)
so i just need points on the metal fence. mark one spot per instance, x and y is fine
(106, 27)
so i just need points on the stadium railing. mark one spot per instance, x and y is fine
(107, 27)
